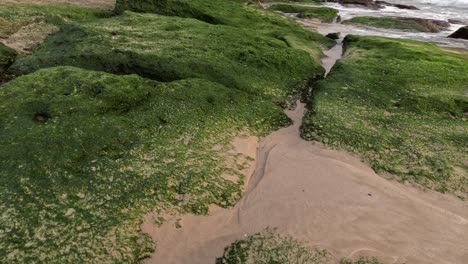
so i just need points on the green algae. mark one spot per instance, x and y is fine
(400, 104)
(171, 48)
(325, 14)
(7, 56)
(236, 14)
(84, 155)
(269, 247)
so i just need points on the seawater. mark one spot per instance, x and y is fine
(428, 9)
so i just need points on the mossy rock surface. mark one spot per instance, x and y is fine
(402, 105)
(236, 13)
(13, 16)
(268, 247)
(84, 155)
(401, 23)
(325, 14)
(171, 48)
(7, 56)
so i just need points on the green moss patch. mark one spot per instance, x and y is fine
(270, 247)
(84, 155)
(325, 14)
(171, 48)
(401, 23)
(402, 105)
(7, 56)
(236, 14)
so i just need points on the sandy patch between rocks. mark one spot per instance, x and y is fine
(327, 199)
(30, 36)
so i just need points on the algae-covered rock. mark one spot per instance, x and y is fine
(236, 14)
(402, 105)
(171, 48)
(268, 246)
(7, 56)
(402, 23)
(85, 154)
(325, 14)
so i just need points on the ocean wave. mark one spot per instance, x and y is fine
(448, 3)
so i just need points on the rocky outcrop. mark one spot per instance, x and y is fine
(458, 21)
(432, 25)
(401, 23)
(368, 3)
(461, 33)
(401, 6)
(374, 4)
(334, 35)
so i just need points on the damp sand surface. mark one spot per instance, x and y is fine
(327, 199)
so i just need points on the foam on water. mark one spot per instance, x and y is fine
(441, 9)
(448, 3)
(433, 10)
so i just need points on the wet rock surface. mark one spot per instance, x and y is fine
(374, 4)
(462, 33)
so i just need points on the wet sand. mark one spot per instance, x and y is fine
(328, 199)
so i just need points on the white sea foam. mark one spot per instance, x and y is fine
(426, 10)
(446, 3)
